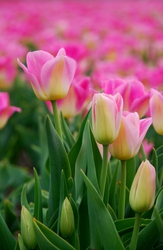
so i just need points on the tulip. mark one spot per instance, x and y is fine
(106, 117)
(131, 134)
(5, 109)
(134, 94)
(50, 76)
(156, 111)
(142, 193)
(27, 229)
(77, 99)
(66, 219)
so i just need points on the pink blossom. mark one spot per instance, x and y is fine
(50, 76)
(135, 96)
(131, 134)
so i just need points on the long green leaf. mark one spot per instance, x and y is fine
(6, 238)
(151, 233)
(108, 233)
(95, 241)
(67, 133)
(58, 160)
(76, 147)
(37, 198)
(47, 239)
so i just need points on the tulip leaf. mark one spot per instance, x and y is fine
(76, 147)
(6, 238)
(21, 243)
(95, 240)
(67, 133)
(37, 198)
(108, 233)
(24, 201)
(47, 239)
(155, 164)
(58, 160)
(126, 225)
(11, 218)
(81, 163)
(151, 233)
(159, 221)
(159, 201)
(43, 156)
(113, 186)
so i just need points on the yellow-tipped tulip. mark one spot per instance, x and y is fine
(142, 193)
(106, 117)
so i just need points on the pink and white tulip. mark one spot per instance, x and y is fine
(131, 134)
(5, 109)
(50, 76)
(142, 193)
(106, 117)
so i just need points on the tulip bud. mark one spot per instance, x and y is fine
(27, 229)
(67, 219)
(106, 117)
(142, 193)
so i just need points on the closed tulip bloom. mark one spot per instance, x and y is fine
(156, 111)
(131, 134)
(106, 117)
(6, 111)
(67, 219)
(142, 193)
(27, 229)
(50, 76)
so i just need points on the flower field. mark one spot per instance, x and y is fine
(81, 125)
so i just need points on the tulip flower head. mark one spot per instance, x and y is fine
(106, 117)
(5, 109)
(156, 111)
(50, 76)
(27, 229)
(142, 193)
(131, 134)
(67, 219)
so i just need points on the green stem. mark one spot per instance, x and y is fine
(57, 119)
(121, 211)
(134, 238)
(104, 170)
(144, 157)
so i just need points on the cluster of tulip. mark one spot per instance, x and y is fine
(120, 132)
(97, 178)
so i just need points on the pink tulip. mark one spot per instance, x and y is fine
(156, 111)
(106, 117)
(135, 96)
(5, 109)
(131, 134)
(50, 76)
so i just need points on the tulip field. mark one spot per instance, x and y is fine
(81, 125)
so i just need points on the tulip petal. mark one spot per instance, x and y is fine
(57, 75)
(34, 82)
(35, 61)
